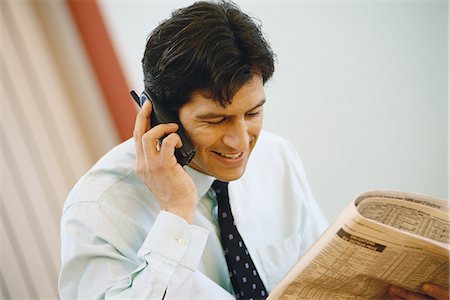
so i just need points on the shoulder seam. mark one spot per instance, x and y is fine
(102, 194)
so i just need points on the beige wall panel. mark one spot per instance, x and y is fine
(15, 281)
(49, 108)
(51, 95)
(27, 177)
(27, 237)
(78, 75)
(23, 101)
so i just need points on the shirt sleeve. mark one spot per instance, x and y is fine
(95, 263)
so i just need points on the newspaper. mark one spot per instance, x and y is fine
(381, 238)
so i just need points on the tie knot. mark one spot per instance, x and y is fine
(219, 186)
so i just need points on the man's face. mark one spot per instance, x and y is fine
(224, 137)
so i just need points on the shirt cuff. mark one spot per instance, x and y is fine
(174, 238)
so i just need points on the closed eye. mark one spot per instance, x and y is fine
(222, 120)
(216, 122)
(254, 114)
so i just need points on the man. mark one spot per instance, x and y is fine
(139, 225)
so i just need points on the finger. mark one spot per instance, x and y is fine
(150, 140)
(141, 125)
(397, 292)
(435, 291)
(169, 144)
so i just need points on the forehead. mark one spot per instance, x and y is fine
(249, 95)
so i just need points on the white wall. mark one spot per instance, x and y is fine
(360, 88)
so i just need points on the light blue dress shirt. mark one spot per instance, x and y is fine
(117, 243)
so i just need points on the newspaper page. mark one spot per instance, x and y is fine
(381, 238)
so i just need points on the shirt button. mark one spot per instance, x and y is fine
(181, 242)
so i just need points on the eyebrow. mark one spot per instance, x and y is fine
(212, 115)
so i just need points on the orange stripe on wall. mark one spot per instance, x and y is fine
(111, 79)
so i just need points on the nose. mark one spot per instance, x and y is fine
(237, 136)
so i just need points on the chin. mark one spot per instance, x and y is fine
(228, 178)
(222, 174)
(229, 175)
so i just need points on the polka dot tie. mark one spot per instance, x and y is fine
(244, 277)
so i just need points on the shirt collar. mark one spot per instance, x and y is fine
(202, 181)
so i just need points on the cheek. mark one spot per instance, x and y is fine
(255, 126)
(202, 139)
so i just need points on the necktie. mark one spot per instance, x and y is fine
(245, 279)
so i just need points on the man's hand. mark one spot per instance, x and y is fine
(430, 291)
(172, 187)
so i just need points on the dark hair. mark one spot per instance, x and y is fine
(209, 47)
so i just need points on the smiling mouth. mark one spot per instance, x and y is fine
(230, 156)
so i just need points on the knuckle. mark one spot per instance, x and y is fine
(169, 141)
(172, 139)
(145, 139)
(156, 132)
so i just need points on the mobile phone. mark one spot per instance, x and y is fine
(161, 115)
